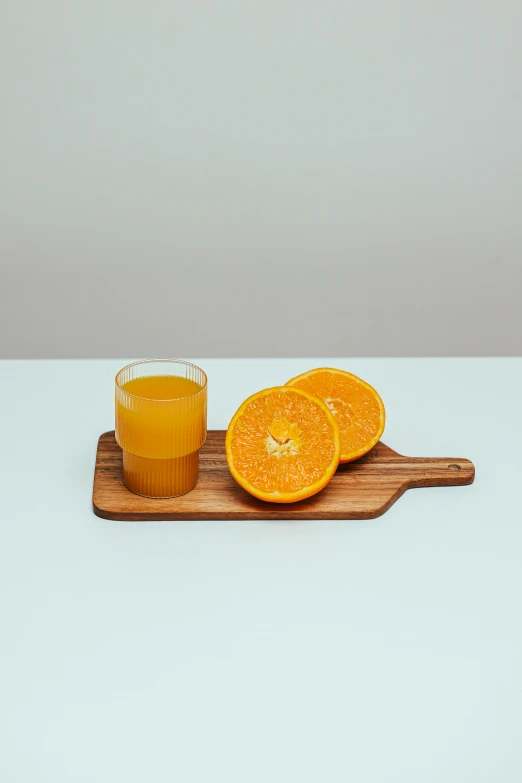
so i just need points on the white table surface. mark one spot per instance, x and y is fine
(262, 652)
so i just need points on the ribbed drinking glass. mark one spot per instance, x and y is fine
(161, 423)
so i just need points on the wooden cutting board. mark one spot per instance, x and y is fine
(359, 490)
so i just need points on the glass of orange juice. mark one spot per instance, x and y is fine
(161, 423)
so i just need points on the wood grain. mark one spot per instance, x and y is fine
(359, 490)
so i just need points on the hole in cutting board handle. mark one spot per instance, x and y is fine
(453, 466)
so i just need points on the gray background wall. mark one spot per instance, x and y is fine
(260, 178)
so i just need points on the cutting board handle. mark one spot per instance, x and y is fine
(438, 471)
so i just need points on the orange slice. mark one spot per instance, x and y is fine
(357, 407)
(283, 445)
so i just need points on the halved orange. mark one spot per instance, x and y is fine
(283, 445)
(357, 407)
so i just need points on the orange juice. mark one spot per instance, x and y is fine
(160, 425)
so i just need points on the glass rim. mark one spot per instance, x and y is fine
(169, 361)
